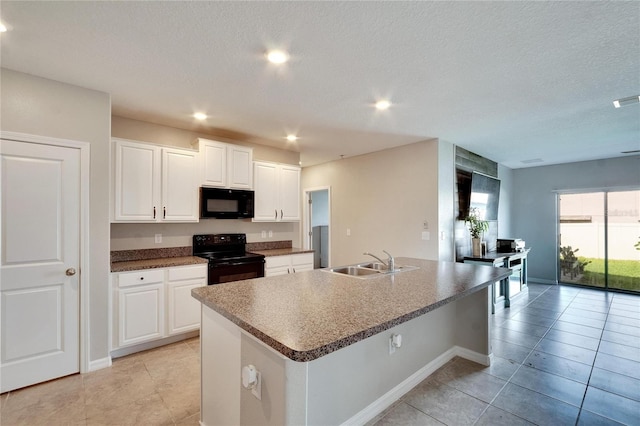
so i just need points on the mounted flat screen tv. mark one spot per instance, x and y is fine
(484, 196)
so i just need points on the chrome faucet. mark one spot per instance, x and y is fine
(390, 263)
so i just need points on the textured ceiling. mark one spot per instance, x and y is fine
(513, 81)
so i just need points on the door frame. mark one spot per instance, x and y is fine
(83, 280)
(306, 229)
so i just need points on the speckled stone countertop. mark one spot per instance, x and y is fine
(132, 260)
(163, 262)
(310, 314)
(274, 248)
(281, 252)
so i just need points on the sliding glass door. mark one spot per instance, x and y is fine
(599, 241)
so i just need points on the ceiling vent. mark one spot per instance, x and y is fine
(532, 161)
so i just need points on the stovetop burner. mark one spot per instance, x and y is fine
(220, 247)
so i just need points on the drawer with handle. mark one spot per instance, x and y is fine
(128, 279)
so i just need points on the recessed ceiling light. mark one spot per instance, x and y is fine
(292, 138)
(383, 104)
(277, 56)
(626, 101)
(200, 116)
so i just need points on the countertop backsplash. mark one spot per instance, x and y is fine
(159, 253)
(269, 245)
(144, 254)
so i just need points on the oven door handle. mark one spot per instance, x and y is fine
(229, 264)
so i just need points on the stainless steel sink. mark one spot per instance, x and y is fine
(368, 270)
(374, 265)
(354, 270)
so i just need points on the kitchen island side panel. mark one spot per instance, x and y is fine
(345, 382)
(473, 315)
(352, 384)
(220, 344)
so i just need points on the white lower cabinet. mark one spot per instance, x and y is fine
(155, 303)
(184, 310)
(141, 314)
(282, 265)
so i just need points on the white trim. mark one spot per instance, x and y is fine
(473, 356)
(99, 364)
(128, 350)
(85, 255)
(597, 189)
(380, 404)
(306, 228)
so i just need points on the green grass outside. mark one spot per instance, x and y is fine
(623, 274)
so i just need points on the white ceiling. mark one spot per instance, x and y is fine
(512, 81)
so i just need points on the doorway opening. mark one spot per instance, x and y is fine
(317, 234)
(599, 239)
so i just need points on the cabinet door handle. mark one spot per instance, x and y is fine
(154, 212)
(281, 214)
(164, 212)
(288, 271)
(294, 270)
(276, 214)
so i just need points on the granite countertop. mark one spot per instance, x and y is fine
(310, 314)
(162, 262)
(281, 251)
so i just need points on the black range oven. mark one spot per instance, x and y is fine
(228, 260)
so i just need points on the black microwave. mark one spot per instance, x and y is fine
(226, 203)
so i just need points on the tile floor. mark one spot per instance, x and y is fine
(156, 387)
(562, 356)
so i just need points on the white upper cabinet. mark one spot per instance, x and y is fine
(179, 185)
(277, 192)
(213, 163)
(289, 193)
(153, 183)
(225, 165)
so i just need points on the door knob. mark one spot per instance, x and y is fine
(70, 272)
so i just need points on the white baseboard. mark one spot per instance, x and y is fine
(99, 364)
(380, 404)
(128, 350)
(473, 356)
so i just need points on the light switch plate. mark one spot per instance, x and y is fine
(426, 235)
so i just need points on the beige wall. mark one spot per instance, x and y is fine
(131, 236)
(38, 106)
(384, 198)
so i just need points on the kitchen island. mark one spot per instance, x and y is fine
(323, 342)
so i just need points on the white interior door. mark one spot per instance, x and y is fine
(39, 263)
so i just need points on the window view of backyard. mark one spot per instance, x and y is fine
(600, 239)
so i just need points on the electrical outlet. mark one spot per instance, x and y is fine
(257, 389)
(270, 234)
(264, 234)
(348, 232)
(158, 238)
(426, 235)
